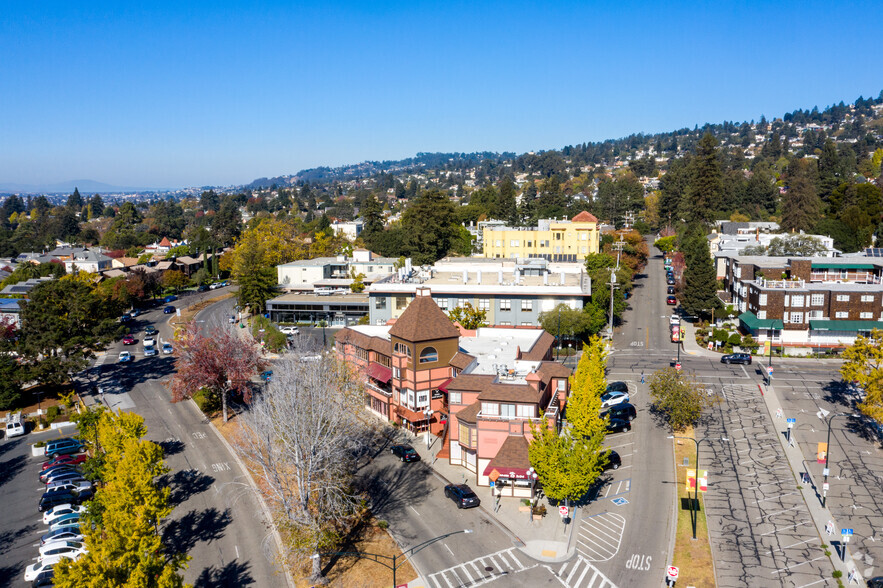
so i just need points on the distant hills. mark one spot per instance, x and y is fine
(85, 187)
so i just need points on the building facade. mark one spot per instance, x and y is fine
(553, 240)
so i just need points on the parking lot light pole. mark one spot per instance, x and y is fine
(694, 514)
(397, 560)
(828, 450)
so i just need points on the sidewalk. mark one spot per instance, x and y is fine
(546, 540)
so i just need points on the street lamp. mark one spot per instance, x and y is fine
(397, 560)
(694, 514)
(827, 469)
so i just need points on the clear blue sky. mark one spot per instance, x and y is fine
(193, 93)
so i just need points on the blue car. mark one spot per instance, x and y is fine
(170, 298)
(168, 310)
(267, 375)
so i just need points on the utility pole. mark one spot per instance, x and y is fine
(618, 245)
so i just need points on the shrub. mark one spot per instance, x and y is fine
(206, 402)
(735, 339)
(720, 335)
(40, 444)
(838, 574)
(52, 413)
(382, 524)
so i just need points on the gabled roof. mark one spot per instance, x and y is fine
(165, 242)
(423, 320)
(585, 217)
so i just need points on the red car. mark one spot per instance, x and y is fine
(128, 340)
(65, 460)
(671, 300)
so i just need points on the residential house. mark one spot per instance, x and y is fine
(553, 240)
(87, 260)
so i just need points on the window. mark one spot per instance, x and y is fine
(454, 398)
(410, 396)
(505, 323)
(582, 249)
(529, 243)
(498, 243)
(402, 348)
(814, 314)
(797, 300)
(526, 304)
(562, 385)
(544, 243)
(507, 410)
(428, 355)
(462, 302)
(526, 324)
(557, 236)
(490, 408)
(505, 304)
(423, 399)
(514, 243)
(468, 436)
(762, 300)
(867, 297)
(401, 302)
(843, 298)
(796, 317)
(761, 314)
(380, 303)
(557, 249)
(484, 304)
(526, 411)
(454, 372)
(583, 236)
(841, 314)
(866, 315)
(397, 373)
(362, 353)
(442, 303)
(817, 299)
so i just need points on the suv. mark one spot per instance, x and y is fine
(613, 461)
(64, 446)
(405, 452)
(14, 425)
(623, 411)
(149, 331)
(288, 330)
(462, 495)
(56, 497)
(615, 425)
(743, 358)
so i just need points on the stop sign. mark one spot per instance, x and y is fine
(678, 366)
(672, 572)
(562, 511)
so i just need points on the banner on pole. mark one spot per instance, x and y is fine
(822, 453)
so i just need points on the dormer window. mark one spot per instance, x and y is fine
(428, 355)
(403, 349)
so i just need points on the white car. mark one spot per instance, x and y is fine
(125, 357)
(613, 398)
(55, 512)
(45, 564)
(150, 351)
(65, 548)
(149, 342)
(76, 484)
(288, 330)
(167, 348)
(674, 320)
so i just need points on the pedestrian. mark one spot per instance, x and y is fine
(642, 377)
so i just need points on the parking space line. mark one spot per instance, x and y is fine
(776, 497)
(814, 583)
(777, 512)
(774, 531)
(803, 563)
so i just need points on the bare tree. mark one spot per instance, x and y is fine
(300, 440)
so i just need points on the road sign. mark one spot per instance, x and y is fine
(829, 528)
(825, 486)
(678, 366)
(492, 483)
(791, 422)
(691, 480)
(563, 510)
(822, 453)
(672, 572)
(703, 480)
(769, 369)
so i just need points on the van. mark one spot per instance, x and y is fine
(63, 446)
(14, 425)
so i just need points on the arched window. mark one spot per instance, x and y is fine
(428, 355)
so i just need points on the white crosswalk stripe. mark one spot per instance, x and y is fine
(580, 573)
(480, 570)
(599, 536)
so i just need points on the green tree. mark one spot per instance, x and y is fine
(507, 207)
(430, 226)
(678, 398)
(798, 245)
(358, 285)
(666, 244)
(801, 206)
(863, 364)
(587, 385)
(468, 316)
(706, 186)
(700, 277)
(564, 322)
(567, 465)
(256, 279)
(10, 382)
(174, 279)
(372, 214)
(75, 201)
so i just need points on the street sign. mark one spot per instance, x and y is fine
(672, 572)
(678, 366)
(691, 480)
(829, 528)
(703, 480)
(826, 472)
(769, 369)
(791, 422)
(492, 483)
(563, 510)
(822, 454)
(825, 486)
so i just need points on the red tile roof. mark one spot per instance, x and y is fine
(585, 217)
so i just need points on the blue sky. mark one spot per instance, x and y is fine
(177, 94)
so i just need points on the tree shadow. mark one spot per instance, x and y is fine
(8, 574)
(9, 538)
(183, 534)
(391, 488)
(840, 393)
(184, 484)
(11, 467)
(235, 573)
(866, 428)
(171, 447)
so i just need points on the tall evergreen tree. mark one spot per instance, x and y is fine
(706, 186)
(372, 215)
(507, 208)
(830, 170)
(75, 201)
(700, 277)
(801, 206)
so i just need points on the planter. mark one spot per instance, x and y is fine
(524, 509)
(537, 517)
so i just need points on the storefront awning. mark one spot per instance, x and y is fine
(843, 266)
(512, 459)
(850, 326)
(379, 372)
(444, 385)
(514, 473)
(753, 323)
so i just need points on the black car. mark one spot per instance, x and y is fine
(150, 330)
(623, 411)
(876, 582)
(168, 310)
(202, 288)
(617, 387)
(670, 281)
(405, 452)
(743, 358)
(613, 461)
(671, 290)
(615, 425)
(52, 498)
(462, 495)
(46, 578)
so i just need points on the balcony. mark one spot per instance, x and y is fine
(781, 284)
(376, 388)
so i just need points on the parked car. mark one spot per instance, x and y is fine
(167, 348)
(617, 387)
(44, 579)
(64, 460)
(129, 340)
(70, 534)
(671, 290)
(35, 569)
(64, 446)
(66, 521)
(217, 285)
(150, 331)
(149, 351)
(168, 310)
(623, 410)
(743, 358)
(462, 495)
(611, 398)
(54, 471)
(170, 298)
(289, 330)
(613, 461)
(670, 281)
(671, 301)
(61, 548)
(135, 312)
(52, 515)
(615, 425)
(71, 484)
(62, 477)
(125, 357)
(674, 320)
(202, 288)
(405, 452)
(125, 318)
(56, 497)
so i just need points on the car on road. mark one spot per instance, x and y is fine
(150, 330)
(617, 387)
(623, 410)
(232, 319)
(135, 312)
(289, 330)
(671, 290)
(670, 281)
(56, 497)
(129, 340)
(125, 318)
(405, 452)
(170, 298)
(462, 495)
(615, 425)
(876, 582)
(125, 357)
(674, 320)
(168, 310)
(52, 515)
(167, 348)
(64, 460)
(71, 533)
(743, 358)
(35, 569)
(613, 398)
(64, 446)
(150, 351)
(149, 341)
(671, 301)
(613, 461)
(202, 288)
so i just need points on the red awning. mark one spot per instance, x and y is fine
(517, 473)
(379, 372)
(444, 385)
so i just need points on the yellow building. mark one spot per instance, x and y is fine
(554, 240)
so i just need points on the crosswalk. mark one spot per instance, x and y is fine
(579, 573)
(600, 536)
(481, 570)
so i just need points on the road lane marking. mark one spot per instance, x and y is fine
(451, 552)
(416, 513)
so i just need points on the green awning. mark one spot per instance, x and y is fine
(753, 323)
(843, 266)
(852, 326)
